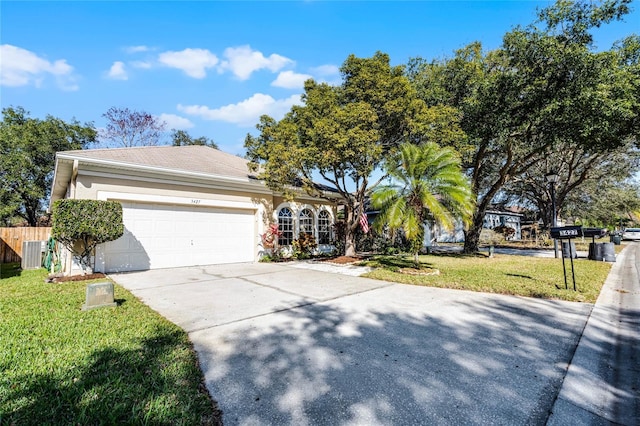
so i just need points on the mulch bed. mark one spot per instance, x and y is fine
(95, 276)
(343, 260)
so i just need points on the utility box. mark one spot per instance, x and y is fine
(32, 254)
(99, 295)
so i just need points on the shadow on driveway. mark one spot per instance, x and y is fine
(396, 355)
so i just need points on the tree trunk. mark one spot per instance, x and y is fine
(350, 243)
(472, 235)
(350, 234)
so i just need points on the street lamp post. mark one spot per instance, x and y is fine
(553, 178)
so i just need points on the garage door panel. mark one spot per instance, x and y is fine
(163, 236)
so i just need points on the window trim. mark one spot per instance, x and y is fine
(330, 222)
(312, 217)
(291, 225)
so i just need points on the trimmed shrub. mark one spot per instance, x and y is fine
(80, 225)
(304, 247)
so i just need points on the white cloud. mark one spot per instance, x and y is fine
(176, 122)
(117, 71)
(136, 49)
(325, 70)
(141, 64)
(21, 67)
(194, 62)
(247, 112)
(290, 80)
(242, 61)
(327, 74)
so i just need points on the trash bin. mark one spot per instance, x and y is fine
(608, 252)
(595, 251)
(616, 239)
(565, 250)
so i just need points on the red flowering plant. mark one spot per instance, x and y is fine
(270, 238)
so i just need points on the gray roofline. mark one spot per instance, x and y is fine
(155, 169)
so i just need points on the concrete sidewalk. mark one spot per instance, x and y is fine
(602, 384)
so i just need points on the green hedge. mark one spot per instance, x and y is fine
(80, 225)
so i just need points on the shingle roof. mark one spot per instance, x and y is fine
(193, 158)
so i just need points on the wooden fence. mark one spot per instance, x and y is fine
(11, 240)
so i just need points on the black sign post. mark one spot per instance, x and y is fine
(567, 233)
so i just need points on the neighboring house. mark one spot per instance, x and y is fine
(439, 234)
(184, 206)
(493, 219)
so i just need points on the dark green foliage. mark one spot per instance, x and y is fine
(80, 225)
(27, 157)
(344, 133)
(546, 84)
(339, 235)
(183, 138)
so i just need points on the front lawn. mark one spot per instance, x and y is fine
(516, 275)
(60, 365)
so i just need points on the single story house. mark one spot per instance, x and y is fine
(494, 218)
(184, 206)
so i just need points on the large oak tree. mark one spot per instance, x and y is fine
(580, 172)
(547, 84)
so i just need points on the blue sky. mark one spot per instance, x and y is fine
(212, 68)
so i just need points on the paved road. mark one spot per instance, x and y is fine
(603, 381)
(280, 345)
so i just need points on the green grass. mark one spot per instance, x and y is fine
(515, 275)
(61, 365)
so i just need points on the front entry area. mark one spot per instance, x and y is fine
(167, 236)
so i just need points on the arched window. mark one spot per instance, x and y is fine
(306, 222)
(324, 227)
(285, 225)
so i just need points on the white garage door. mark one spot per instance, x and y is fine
(166, 236)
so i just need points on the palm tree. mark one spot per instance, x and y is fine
(427, 182)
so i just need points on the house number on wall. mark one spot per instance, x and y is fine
(195, 201)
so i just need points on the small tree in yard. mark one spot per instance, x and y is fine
(426, 182)
(80, 225)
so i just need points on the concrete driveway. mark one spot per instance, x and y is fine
(281, 345)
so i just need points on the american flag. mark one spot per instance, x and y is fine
(364, 222)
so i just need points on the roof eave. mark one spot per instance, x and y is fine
(157, 170)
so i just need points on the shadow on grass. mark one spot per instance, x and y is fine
(8, 270)
(129, 386)
(458, 255)
(406, 261)
(521, 276)
(394, 262)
